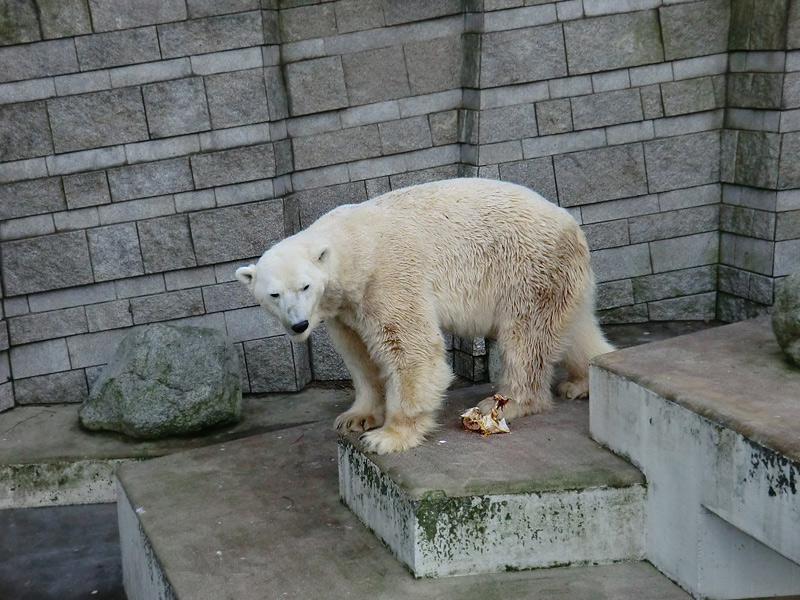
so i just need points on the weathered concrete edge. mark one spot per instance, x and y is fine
(60, 483)
(143, 576)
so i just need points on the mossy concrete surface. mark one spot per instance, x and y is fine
(261, 517)
(48, 459)
(543, 495)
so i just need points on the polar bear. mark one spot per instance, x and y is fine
(474, 257)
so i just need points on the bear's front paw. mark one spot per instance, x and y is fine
(356, 421)
(572, 390)
(385, 440)
(509, 411)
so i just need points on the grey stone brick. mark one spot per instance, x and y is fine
(636, 35)
(234, 137)
(418, 10)
(444, 127)
(490, 154)
(34, 197)
(20, 23)
(563, 143)
(64, 18)
(15, 306)
(536, 174)
(336, 147)
(757, 159)
(88, 160)
(761, 289)
(688, 96)
(689, 197)
(139, 286)
(628, 133)
(733, 281)
(192, 201)
(786, 257)
(701, 307)
(672, 284)
(652, 105)
(554, 116)
(46, 263)
(163, 307)
(607, 108)
(315, 203)
(150, 72)
(789, 167)
(614, 294)
(27, 227)
(684, 161)
(162, 149)
(787, 225)
(237, 98)
(521, 55)
(82, 83)
(26, 91)
(212, 34)
(609, 234)
(684, 252)
(40, 358)
(715, 64)
(611, 80)
(92, 349)
(176, 107)
(41, 59)
(76, 219)
(317, 178)
(227, 296)
(134, 210)
(233, 166)
(251, 323)
(695, 29)
(166, 244)
(208, 8)
(109, 315)
(228, 60)
(377, 167)
(326, 363)
(748, 222)
(150, 179)
(76, 296)
(755, 90)
(115, 252)
(376, 75)
(757, 26)
(107, 14)
(86, 189)
(45, 326)
(244, 192)
(507, 123)
(6, 395)
(358, 15)
(24, 131)
(405, 135)
(117, 48)
(189, 278)
(621, 263)
(602, 174)
(306, 22)
(316, 85)
(271, 365)
(674, 223)
(434, 65)
(236, 232)
(97, 119)
(62, 388)
(791, 90)
(619, 209)
(277, 99)
(650, 74)
(429, 103)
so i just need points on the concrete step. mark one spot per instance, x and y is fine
(544, 495)
(713, 421)
(261, 518)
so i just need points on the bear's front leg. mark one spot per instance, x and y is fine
(367, 411)
(417, 377)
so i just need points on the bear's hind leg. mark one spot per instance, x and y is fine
(367, 411)
(416, 381)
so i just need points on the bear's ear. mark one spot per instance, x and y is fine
(246, 275)
(322, 253)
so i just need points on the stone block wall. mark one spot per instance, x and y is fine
(147, 149)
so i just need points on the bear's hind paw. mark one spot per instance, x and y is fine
(574, 389)
(384, 441)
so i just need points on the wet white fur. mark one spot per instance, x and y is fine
(470, 256)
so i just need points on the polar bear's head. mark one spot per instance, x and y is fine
(289, 281)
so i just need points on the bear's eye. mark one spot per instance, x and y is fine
(306, 287)
(274, 295)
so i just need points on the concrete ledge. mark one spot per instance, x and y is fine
(712, 421)
(543, 496)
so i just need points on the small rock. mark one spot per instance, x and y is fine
(165, 380)
(786, 316)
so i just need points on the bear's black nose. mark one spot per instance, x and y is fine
(300, 327)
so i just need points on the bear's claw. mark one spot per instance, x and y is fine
(572, 390)
(355, 422)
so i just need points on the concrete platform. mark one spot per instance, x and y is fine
(261, 518)
(713, 421)
(543, 495)
(47, 459)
